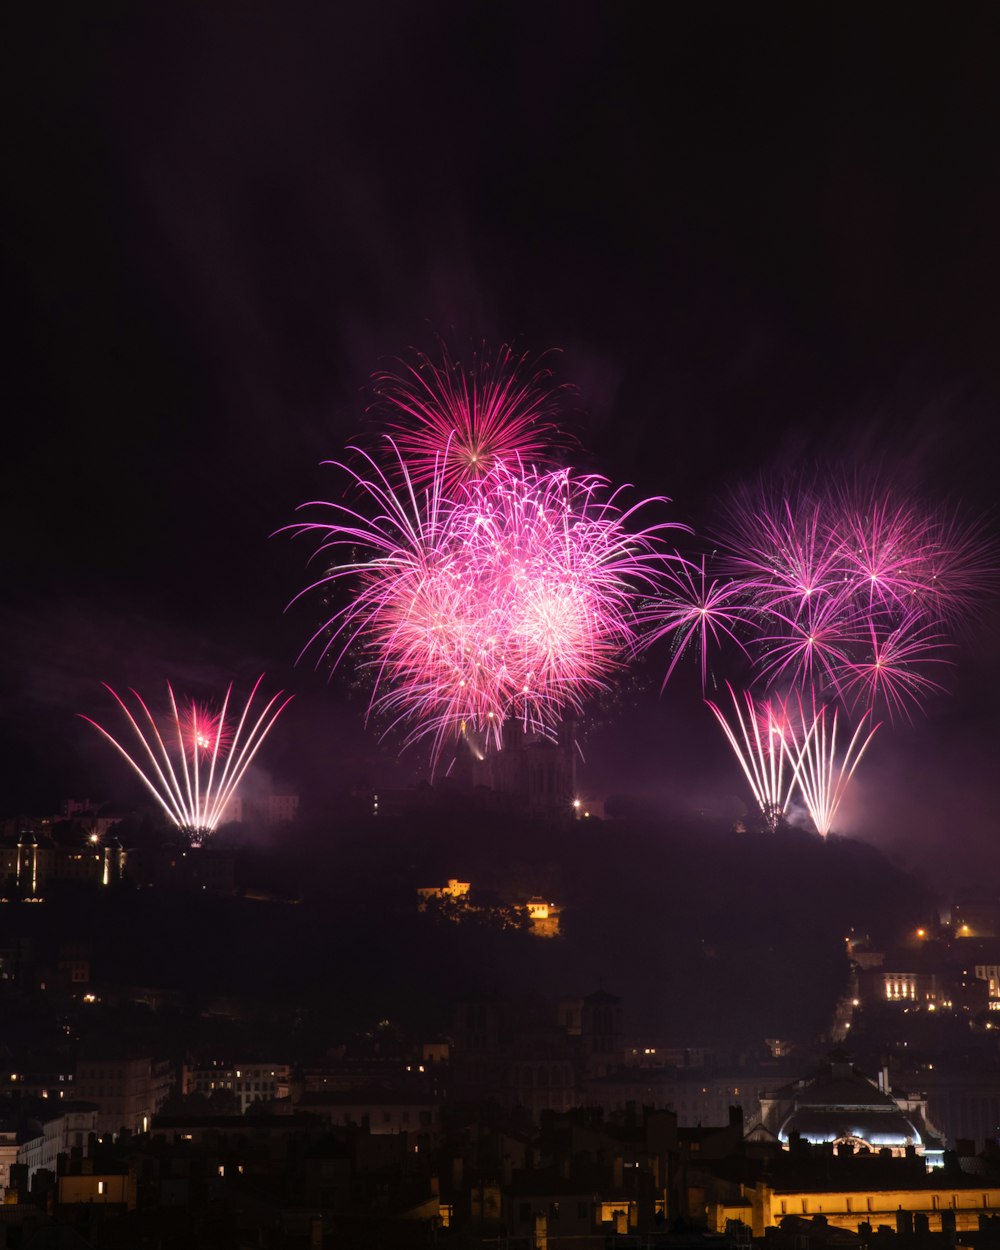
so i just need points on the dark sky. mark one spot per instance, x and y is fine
(760, 237)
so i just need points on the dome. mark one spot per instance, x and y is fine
(841, 1105)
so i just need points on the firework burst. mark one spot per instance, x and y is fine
(456, 424)
(696, 613)
(512, 596)
(193, 759)
(851, 591)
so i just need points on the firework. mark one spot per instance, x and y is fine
(821, 778)
(884, 547)
(893, 672)
(811, 648)
(852, 591)
(958, 572)
(787, 556)
(759, 745)
(512, 596)
(202, 729)
(193, 759)
(457, 423)
(695, 613)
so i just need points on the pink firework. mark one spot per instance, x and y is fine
(959, 571)
(696, 613)
(823, 776)
(811, 648)
(786, 553)
(193, 782)
(413, 607)
(893, 670)
(458, 422)
(855, 589)
(515, 597)
(203, 730)
(883, 548)
(759, 744)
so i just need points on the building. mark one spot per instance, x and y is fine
(699, 1097)
(944, 1207)
(379, 1111)
(8, 1156)
(266, 811)
(536, 772)
(535, 1055)
(205, 868)
(56, 1131)
(840, 1107)
(127, 1092)
(249, 1083)
(31, 863)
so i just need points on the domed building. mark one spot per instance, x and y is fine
(840, 1106)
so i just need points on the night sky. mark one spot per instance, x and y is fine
(758, 238)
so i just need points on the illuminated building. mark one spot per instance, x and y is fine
(8, 1156)
(841, 1107)
(31, 864)
(454, 891)
(249, 1083)
(930, 975)
(946, 1207)
(69, 1125)
(455, 901)
(543, 918)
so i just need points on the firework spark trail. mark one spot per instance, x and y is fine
(811, 649)
(456, 423)
(821, 779)
(174, 778)
(513, 595)
(884, 547)
(959, 571)
(695, 612)
(892, 672)
(788, 559)
(760, 748)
